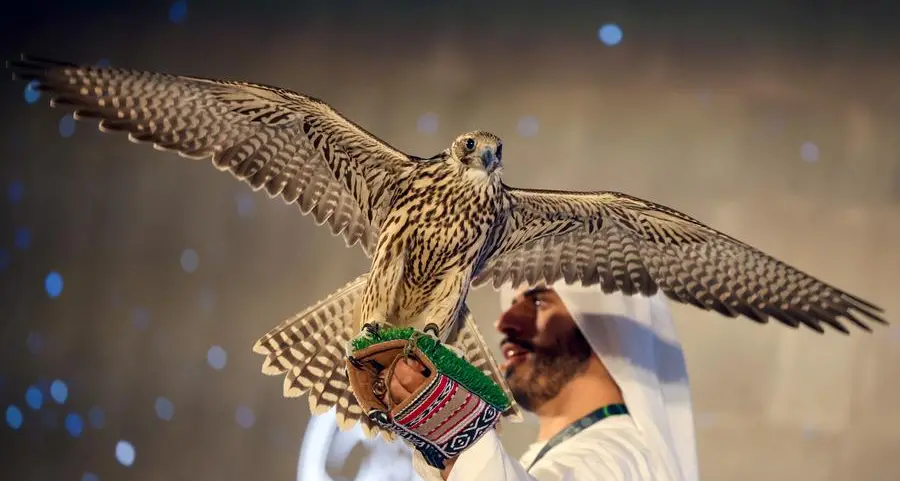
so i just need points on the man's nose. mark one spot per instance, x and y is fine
(514, 321)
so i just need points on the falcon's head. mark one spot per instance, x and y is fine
(478, 150)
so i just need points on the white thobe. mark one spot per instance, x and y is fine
(610, 450)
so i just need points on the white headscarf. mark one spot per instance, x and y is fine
(634, 336)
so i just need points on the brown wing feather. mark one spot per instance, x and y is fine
(291, 145)
(637, 247)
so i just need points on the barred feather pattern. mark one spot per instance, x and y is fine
(637, 247)
(291, 145)
(308, 349)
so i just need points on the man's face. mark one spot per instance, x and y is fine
(543, 348)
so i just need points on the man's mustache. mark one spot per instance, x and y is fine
(525, 345)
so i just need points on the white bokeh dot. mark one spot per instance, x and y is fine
(245, 417)
(216, 357)
(125, 453)
(244, 201)
(189, 260)
(428, 123)
(809, 152)
(527, 126)
(164, 408)
(59, 391)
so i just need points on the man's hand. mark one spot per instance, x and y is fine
(408, 377)
(436, 414)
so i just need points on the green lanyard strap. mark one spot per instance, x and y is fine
(580, 425)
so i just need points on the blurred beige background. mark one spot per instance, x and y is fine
(787, 144)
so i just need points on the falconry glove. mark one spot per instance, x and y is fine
(451, 410)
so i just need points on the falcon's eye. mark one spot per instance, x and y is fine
(470, 144)
(500, 152)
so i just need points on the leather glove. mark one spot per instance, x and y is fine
(450, 410)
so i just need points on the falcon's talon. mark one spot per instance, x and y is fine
(411, 344)
(371, 328)
(433, 330)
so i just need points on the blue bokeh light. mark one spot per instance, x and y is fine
(217, 357)
(59, 391)
(16, 191)
(22, 238)
(14, 416)
(140, 317)
(67, 125)
(178, 11)
(34, 398)
(164, 408)
(610, 34)
(528, 126)
(189, 260)
(244, 201)
(245, 417)
(34, 342)
(53, 284)
(103, 62)
(809, 152)
(89, 477)
(74, 425)
(32, 94)
(427, 123)
(125, 453)
(96, 418)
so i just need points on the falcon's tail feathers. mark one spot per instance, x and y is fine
(309, 349)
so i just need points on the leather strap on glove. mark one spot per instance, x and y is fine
(451, 410)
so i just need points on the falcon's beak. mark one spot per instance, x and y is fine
(489, 160)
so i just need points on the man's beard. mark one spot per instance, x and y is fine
(548, 371)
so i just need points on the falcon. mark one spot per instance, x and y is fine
(433, 227)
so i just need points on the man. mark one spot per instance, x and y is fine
(606, 378)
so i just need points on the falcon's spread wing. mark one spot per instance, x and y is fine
(292, 145)
(630, 245)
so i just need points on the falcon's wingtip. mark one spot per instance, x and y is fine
(31, 67)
